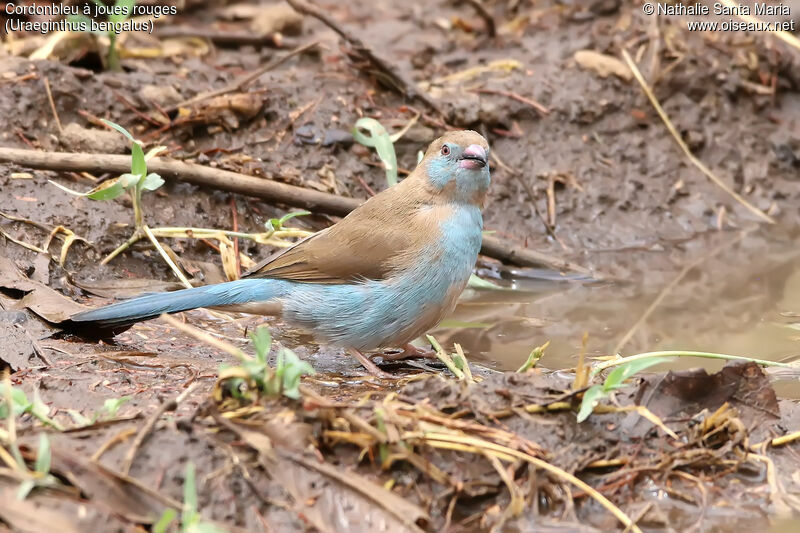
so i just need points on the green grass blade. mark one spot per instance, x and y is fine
(379, 139)
(591, 398)
(119, 128)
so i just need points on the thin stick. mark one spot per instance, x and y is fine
(397, 80)
(542, 110)
(696, 162)
(245, 80)
(167, 258)
(52, 104)
(170, 405)
(784, 36)
(269, 190)
(491, 27)
(478, 445)
(206, 338)
(778, 441)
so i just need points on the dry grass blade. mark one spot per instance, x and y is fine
(696, 162)
(476, 445)
(167, 258)
(784, 36)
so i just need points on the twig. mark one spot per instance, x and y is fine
(488, 19)
(542, 110)
(784, 36)
(119, 437)
(397, 79)
(696, 162)
(170, 405)
(269, 190)
(478, 445)
(225, 37)
(166, 257)
(245, 80)
(777, 441)
(206, 338)
(52, 103)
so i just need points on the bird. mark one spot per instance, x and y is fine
(380, 277)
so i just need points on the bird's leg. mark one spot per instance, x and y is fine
(409, 351)
(371, 367)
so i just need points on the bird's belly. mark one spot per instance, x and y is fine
(373, 314)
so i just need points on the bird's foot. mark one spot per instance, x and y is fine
(371, 367)
(409, 351)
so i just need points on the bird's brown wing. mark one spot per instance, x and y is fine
(366, 244)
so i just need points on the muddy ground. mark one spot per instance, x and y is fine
(626, 204)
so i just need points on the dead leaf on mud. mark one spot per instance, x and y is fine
(120, 495)
(17, 347)
(680, 393)
(126, 288)
(28, 516)
(331, 498)
(603, 65)
(40, 299)
(335, 499)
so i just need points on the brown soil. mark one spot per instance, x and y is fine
(631, 207)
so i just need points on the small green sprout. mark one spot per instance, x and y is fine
(379, 139)
(40, 476)
(191, 519)
(136, 181)
(615, 380)
(255, 372)
(121, 11)
(276, 224)
(533, 358)
(110, 408)
(20, 404)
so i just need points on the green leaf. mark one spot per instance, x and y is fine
(119, 128)
(478, 283)
(25, 488)
(108, 190)
(262, 342)
(166, 519)
(379, 139)
(294, 368)
(591, 398)
(112, 405)
(138, 163)
(43, 456)
(277, 223)
(152, 182)
(620, 374)
(38, 408)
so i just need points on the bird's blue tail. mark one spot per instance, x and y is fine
(119, 316)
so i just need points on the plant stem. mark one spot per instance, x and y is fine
(136, 237)
(167, 258)
(708, 355)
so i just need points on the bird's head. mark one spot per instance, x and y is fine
(457, 166)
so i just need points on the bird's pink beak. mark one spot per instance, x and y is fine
(473, 158)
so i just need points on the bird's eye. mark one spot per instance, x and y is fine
(445, 150)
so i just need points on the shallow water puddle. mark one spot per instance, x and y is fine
(728, 292)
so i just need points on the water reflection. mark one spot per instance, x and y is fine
(739, 294)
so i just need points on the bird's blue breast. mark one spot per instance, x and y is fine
(382, 313)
